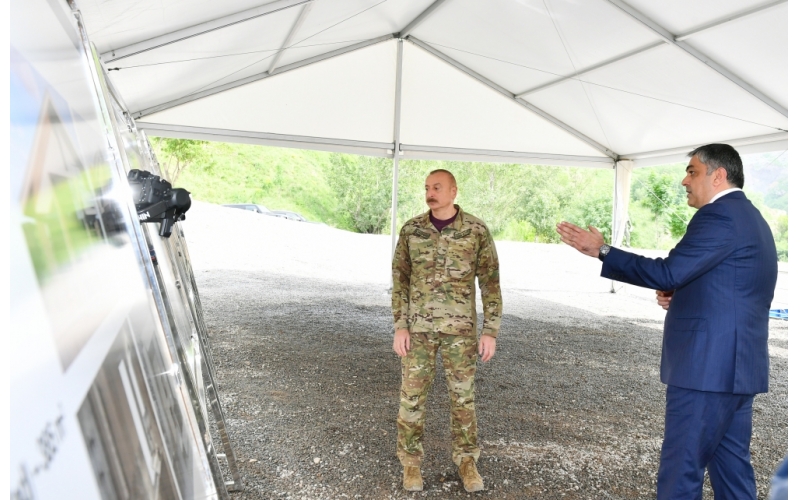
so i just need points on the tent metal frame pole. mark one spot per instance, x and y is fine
(398, 93)
(295, 28)
(688, 49)
(576, 74)
(727, 19)
(614, 212)
(199, 29)
(620, 209)
(416, 151)
(742, 141)
(189, 132)
(260, 76)
(510, 95)
(601, 161)
(647, 48)
(418, 20)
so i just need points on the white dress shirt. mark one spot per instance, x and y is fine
(723, 193)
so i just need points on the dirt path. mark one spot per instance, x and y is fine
(570, 408)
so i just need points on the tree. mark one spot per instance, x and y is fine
(597, 212)
(541, 208)
(665, 198)
(363, 188)
(679, 218)
(175, 155)
(487, 191)
(778, 194)
(659, 196)
(781, 234)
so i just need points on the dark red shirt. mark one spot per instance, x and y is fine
(441, 224)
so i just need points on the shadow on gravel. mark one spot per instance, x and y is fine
(570, 408)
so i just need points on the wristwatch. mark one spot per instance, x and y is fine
(604, 249)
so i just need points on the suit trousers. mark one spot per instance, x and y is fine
(706, 430)
(459, 358)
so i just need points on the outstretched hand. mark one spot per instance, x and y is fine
(586, 242)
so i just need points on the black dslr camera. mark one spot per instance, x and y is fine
(157, 201)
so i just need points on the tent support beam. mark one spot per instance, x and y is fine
(379, 149)
(576, 74)
(525, 104)
(671, 39)
(638, 51)
(620, 208)
(743, 141)
(415, 151)
(418, 20)
(259, 76)
(745, 145)
(771, 142)
(295, 28)
(726, 20)
(398, 84)
(199, 29)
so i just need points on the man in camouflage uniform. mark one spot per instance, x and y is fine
(438, 256)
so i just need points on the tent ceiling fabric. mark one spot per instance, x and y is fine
(581, 82)
(444, 107)
(320, 100)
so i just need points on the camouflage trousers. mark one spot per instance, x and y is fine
(459, 357)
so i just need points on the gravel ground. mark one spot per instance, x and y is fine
(571, 406)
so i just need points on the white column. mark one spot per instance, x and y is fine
(622, 198)
(396, 174)
(396, 156)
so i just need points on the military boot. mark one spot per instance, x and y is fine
(412, 478)
(469, 475)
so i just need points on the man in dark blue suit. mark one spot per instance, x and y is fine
(717, 285)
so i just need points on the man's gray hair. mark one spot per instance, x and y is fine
(716, 156)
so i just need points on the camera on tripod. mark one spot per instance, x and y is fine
(157, 201)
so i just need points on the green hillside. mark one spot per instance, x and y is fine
(768, 174)
(278, 178)
(518, 202)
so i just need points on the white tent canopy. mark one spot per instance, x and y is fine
(561, 82)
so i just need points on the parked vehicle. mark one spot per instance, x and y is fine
(290, 215)
(261, 209)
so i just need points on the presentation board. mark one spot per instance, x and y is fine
(111, 377)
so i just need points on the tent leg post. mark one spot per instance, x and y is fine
(622, 197)
(396, 156)
(395, 176)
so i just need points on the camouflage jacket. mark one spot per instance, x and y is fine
(434, 277)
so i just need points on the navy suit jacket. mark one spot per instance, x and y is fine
(723, 272)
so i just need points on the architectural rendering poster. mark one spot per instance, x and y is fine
(98, 408)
